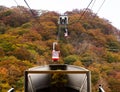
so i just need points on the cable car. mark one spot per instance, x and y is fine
(66, 32)
(55, 52)
(55, 55)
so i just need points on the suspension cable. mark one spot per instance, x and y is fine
(100, 6)
(93, 4)
(18, 6)
(82, 13)
(29, 8)
(16, 2)
(85, 10)
(32, 14)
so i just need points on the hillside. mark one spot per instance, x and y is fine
(26, 41)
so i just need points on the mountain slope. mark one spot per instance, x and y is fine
(26, 42)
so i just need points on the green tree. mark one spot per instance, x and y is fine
(22, 54)
(71, 59)
(3, 28)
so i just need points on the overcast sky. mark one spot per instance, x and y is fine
(109, 10)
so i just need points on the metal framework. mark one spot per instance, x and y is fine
(88, 76)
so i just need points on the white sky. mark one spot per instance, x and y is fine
(110, 9)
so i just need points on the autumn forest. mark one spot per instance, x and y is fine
(26, 40)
